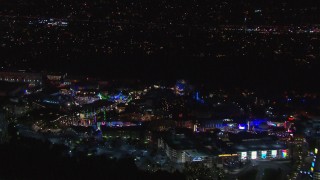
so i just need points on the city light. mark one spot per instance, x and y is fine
(284, 153)
(161, 89)
(274, 153)
(263, 154)
(254, 155)
(243, 155)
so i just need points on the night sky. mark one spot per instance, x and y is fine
(244, 43)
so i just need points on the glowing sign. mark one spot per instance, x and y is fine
(241, 127)
(284, 153)
(254, 155)
(315, 150)
(274, 153)
(263, 154)
(197, 159)
(195, 128)
(243, 155)
(271, 123)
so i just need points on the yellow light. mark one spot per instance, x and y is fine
(227, 155)
(316, 150)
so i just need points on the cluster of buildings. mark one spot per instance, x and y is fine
(182, 149)
(186, 125)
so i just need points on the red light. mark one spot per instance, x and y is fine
(291, 118)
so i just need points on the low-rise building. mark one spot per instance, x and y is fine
(33, 79)
(179, 149)
(261, 149)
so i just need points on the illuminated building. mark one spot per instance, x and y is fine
(276, 123)
(182, 88)
(264, 154)
(315, 165)
(181, 150)
(196, 156)
(56, 79)
(261, 149)
(56, 76)
(206, 125)
(175, 147)
(120, 97)
(32, 79)
(58, 99)
(257, 125)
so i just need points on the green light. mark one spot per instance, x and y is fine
(102, 97)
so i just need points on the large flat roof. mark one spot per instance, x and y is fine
(179, 143)
(259, 145)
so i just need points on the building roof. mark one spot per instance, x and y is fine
(179, 142)
(195, 153)
(259, 145)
